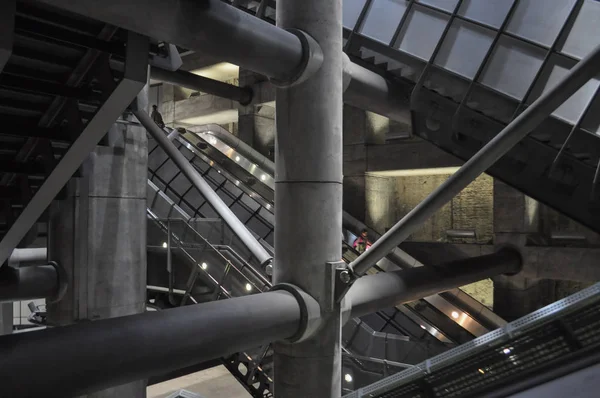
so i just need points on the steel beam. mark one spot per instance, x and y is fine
(33, 282)
(202, 186)
(243, 95)
(123, 94)
(510, 136)
(91, 356)
(384, 290)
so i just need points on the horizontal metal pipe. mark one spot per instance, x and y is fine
(90, 356)
(372, 92)
(27, 283)
(208, 26)
(232, 35)
(243, 95)
(510, 136)
(199, 183)
(383, 290)
(29, 255)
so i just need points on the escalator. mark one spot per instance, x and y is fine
(429, 325)
(467, 69)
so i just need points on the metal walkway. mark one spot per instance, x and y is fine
(549, 343)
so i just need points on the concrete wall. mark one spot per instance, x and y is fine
(389, 198)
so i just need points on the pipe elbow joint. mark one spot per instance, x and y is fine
(310, 312)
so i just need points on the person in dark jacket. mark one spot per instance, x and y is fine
(157, 117)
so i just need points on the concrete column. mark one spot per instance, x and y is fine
(256, 127)
(98, 234)
(6, 318)
(308, 198)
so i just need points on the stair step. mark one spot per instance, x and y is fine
(370, 60)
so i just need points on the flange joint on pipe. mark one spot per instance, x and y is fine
(312, 59)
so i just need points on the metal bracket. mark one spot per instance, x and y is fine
(344, 278)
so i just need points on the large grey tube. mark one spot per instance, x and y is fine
(383, 290)
(239, 229)
(243, 95)
(246, 150)
(212, 27)
(90, 356)
(482, 160)
(28, 283)
(208, 26)
(28, 256)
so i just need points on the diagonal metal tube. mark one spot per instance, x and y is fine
(510, 136)
(201, 185)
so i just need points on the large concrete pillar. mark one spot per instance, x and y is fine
(308, 198)
(98, 234)
(6, 318)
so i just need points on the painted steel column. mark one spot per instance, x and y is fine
(308, 199)
(98, 234)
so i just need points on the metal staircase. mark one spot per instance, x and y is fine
(477, 67)
(59, 95)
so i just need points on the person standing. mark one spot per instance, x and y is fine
(157, 117)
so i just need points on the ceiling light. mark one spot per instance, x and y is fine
(263, 177)
(237, 158)
(248, 287)
(423, 327)
(481, 371)
(454, 314)
(348, 378)
(165, 245)
(506, 351)
(204, 266)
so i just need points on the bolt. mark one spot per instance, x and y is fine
(269, 269)
(345, 276)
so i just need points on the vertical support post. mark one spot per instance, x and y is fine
(308, 198)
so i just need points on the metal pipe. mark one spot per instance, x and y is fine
(29, 255)
(243, 95)
(383, 290)
(90, 356)
(518, 129)
(208, 26)
(27, 283)
(232, 35)
(199, 183)
(370, 91)
(240, 146)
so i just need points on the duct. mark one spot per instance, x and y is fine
(26, 256)
(199, 183)
(90, 356)
(203, 84)
(510, 136)
(33, 282)
(383, 290)
(233, 35)
(246, 150)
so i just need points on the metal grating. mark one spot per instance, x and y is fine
(524, 347)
